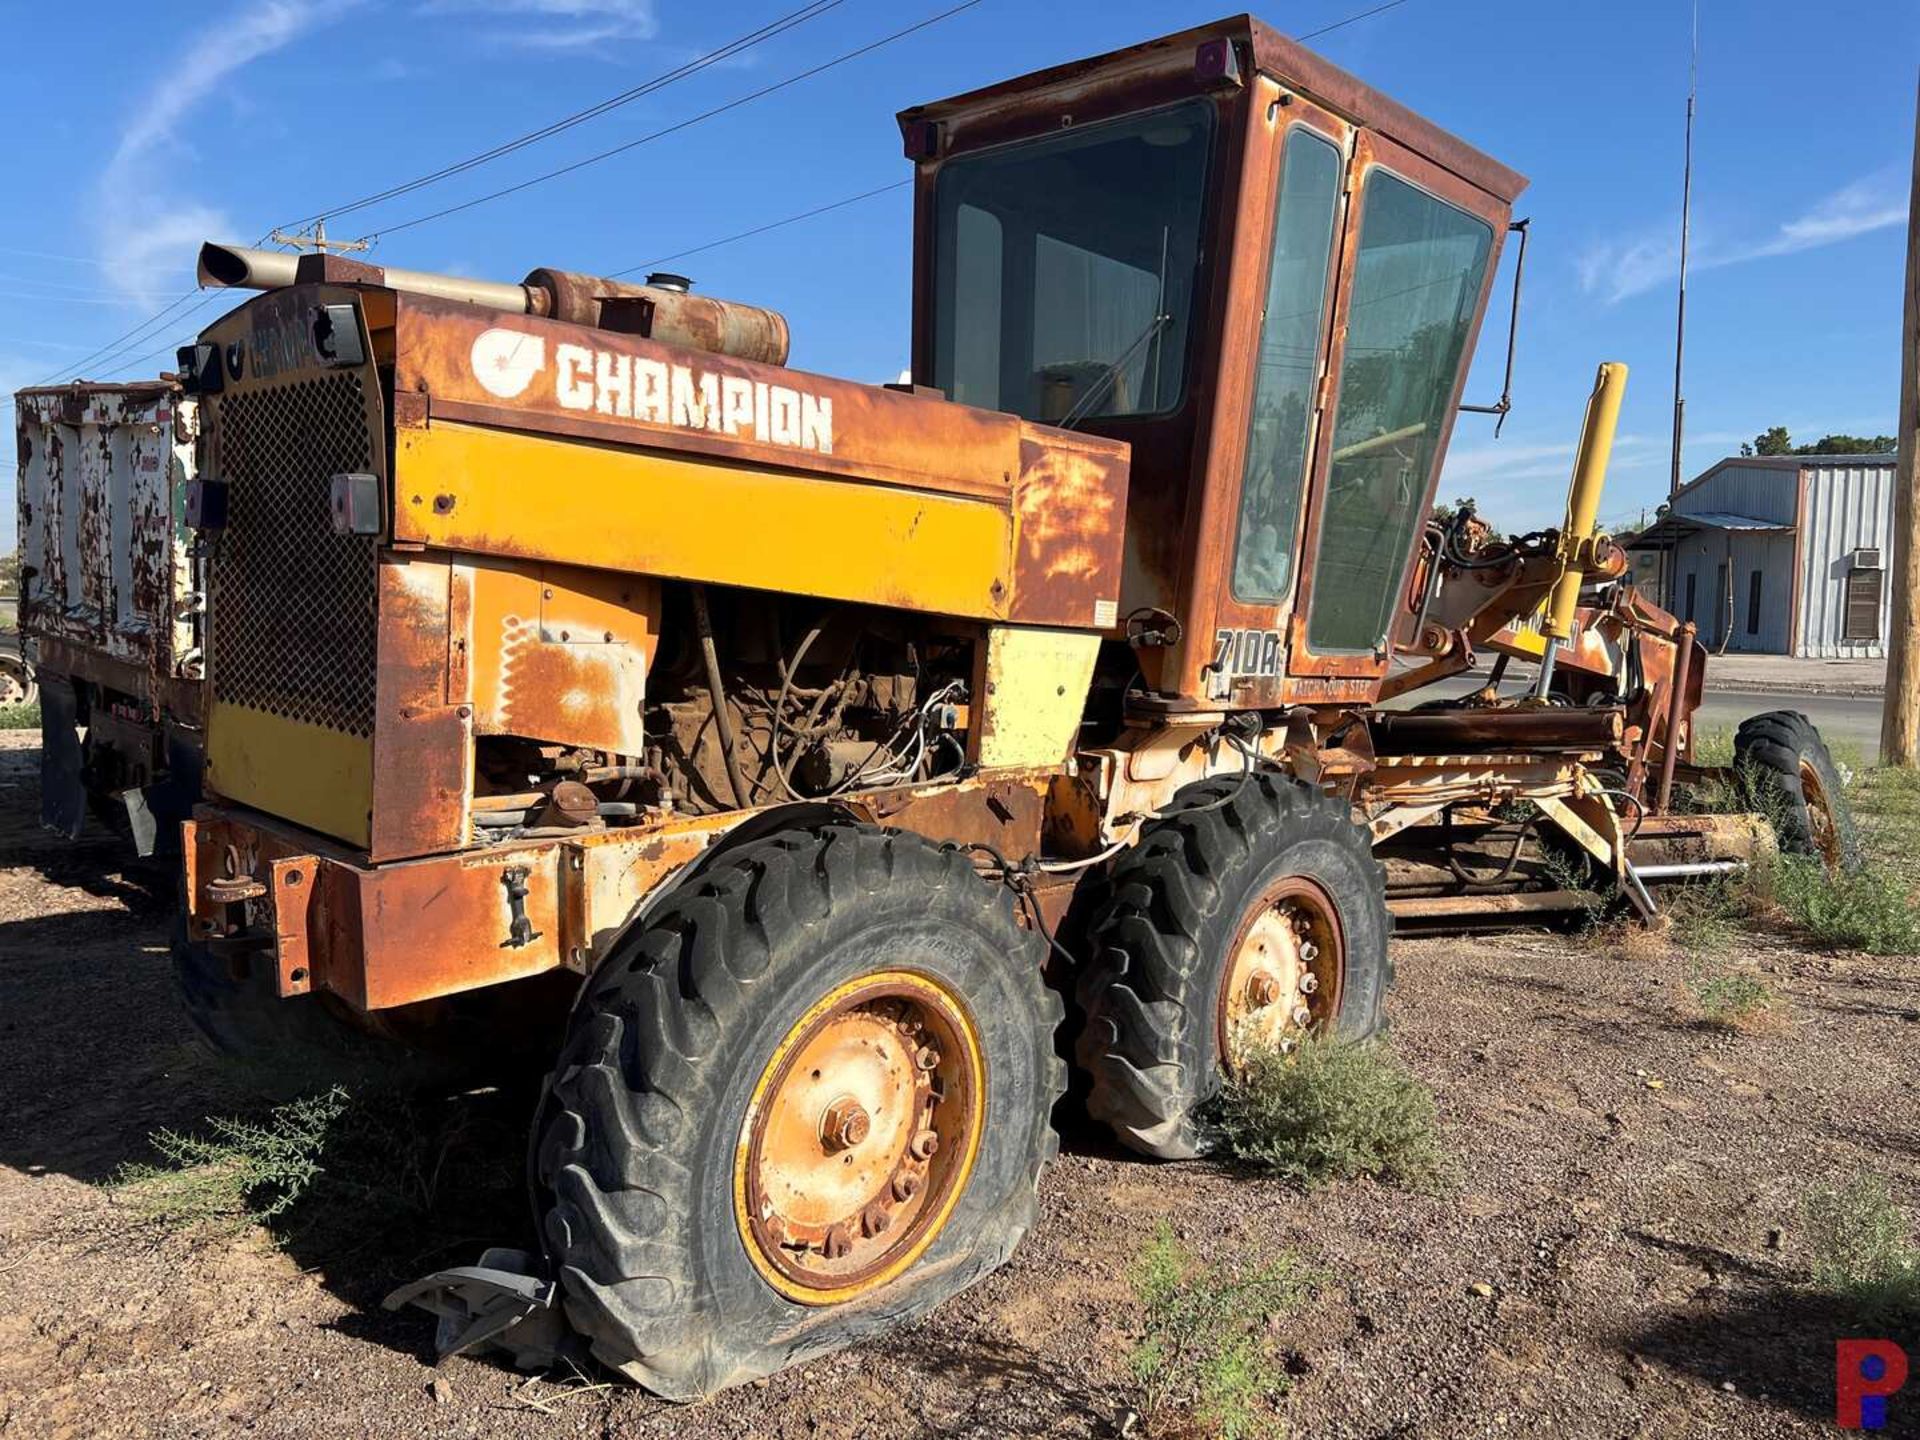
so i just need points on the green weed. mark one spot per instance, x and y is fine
(1204, 1356)
(19, 717)
(1869, 908)
(240, 1170)
(1727, 997)
(1330, 1110)
(1863, 1252)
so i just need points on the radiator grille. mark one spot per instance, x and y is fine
(293, 607)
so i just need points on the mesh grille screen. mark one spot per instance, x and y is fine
(293, 611)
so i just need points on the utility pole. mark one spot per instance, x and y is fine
(1686, 216)
(1900, 723)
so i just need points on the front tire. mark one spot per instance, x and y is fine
(1249, 905)
(1782, 755)
(706, 1224)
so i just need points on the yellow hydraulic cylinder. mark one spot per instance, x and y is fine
(1583, 495)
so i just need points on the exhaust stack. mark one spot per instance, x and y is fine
(662, 311)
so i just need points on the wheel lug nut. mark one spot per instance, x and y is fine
(1302, 1016)
(905, 1186)
(1262, 990)
(838, 1242)
(1309, 983)
(875, 1219)
(924, 1144)
(927, 1057)
(1309, 951)
(845, 1124)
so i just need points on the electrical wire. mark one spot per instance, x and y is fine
(1351, 20)
(734, 104)
(144, 330)
(791, 20)
(760, 229)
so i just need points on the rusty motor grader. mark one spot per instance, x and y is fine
(764, 744)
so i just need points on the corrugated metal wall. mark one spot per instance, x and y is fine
(1849, 506)
(1766, 492)
(1770, 555)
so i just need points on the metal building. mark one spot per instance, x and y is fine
(1780, 554)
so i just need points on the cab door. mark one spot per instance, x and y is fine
(1419, 251)
(1271, 403)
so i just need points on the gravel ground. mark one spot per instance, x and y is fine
(1626, 1180)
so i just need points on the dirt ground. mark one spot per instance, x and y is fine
(1627, 1180)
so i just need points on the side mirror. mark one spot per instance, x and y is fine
(1501, 406)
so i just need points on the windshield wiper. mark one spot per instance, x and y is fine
(1085, 403)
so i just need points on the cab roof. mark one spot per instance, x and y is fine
(1259, 48)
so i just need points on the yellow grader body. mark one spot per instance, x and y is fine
(753, 735)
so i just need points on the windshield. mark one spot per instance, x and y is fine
(1068, 268)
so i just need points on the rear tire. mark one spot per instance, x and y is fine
(679, 1064)
(1165, 978)
(1785, 758)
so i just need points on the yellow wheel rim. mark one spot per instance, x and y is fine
(859, 1138)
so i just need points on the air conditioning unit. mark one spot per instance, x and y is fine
(1866, 560)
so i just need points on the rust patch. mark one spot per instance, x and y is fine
(1070, 508)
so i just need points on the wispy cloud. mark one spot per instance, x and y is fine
(144, 226)
(1616, 272)
(562, 25)
(1522, 484)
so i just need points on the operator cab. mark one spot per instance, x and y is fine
(1264, 276)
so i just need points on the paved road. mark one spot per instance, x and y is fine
(1851, 721)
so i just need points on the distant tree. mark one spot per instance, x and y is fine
(10, 573)
(1849, 445)
(1770, 442)
(1777, 441)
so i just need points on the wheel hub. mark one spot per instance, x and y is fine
(860, 1136)
(1283, 972)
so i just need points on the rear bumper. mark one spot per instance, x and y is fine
(378, 936)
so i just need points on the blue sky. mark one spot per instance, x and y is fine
(237, 115)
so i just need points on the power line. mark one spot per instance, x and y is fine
(145, 330)
(1351, 20)
(704, 115)
(118, 356)
(902, 184)
(762, 229)
(136, 334)
(789, 21)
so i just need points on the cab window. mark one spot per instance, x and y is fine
(1416, 286)
(1286, 366)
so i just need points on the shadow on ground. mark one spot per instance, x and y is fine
(1771, 1339)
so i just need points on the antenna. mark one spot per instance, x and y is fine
(1686, 215)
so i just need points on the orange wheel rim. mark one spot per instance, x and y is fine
(860, 1137)
(1824, 834)
(1284, 971)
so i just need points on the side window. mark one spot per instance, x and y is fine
(1416, 285)
(1287, 362)
(974, 372)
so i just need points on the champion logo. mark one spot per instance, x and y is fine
(507, 362)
